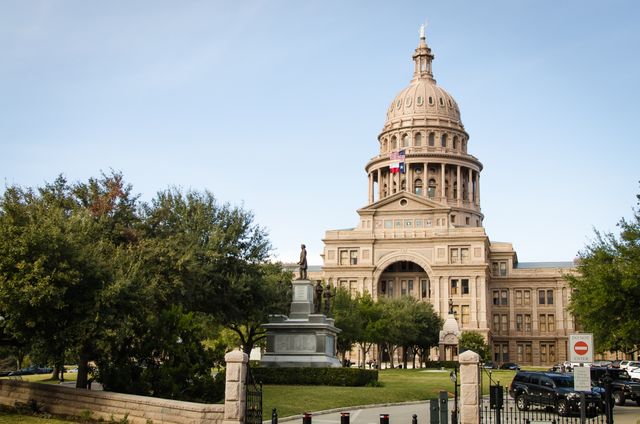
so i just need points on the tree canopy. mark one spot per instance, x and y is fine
(88, 270)
(606, 287)
(470, 340)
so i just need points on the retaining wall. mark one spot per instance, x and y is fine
(71, 401)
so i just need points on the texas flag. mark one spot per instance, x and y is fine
(397, 167)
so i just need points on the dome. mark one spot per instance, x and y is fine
(423, 101)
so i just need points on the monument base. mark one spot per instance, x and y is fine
(304, 339)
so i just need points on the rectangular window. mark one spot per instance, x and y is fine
(504, 297)
(499, 268)
(494, 268)
(388, 224)
(541, 297)
(524, 352)
(527, 323)
(464, 286)
(418, 223)
(518, 297)
(549, 297)
(425, 288)
(496, 297)
(353, 255)
(398, 223)
(496, 323)
(410, 286)
(519, 323)
(465, 314)
(543, 353)
(504, 323)
(503, 269)
(505, 353)
(427, 223)
(344, 257)
(551, 322)
(353, 287)
(464, 255)
(403, 287)
(390, 288)
(454, 286)
(527, 297)
(408, 223)
(455, 258)
(543, 323)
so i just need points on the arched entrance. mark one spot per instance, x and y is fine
(404, 278)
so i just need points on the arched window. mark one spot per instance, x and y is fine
(394, 143)
(432, 139)
(431, 191)
(417, 141)
(405, 140)
(455, 142)
(443, 140)
(455, 190)
(384, 145)
(417, 187)
(403, 185)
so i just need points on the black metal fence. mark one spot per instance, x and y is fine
(253, 407)
(501, 408)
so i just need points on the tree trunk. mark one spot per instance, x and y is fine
(55, 375)
(83, 372)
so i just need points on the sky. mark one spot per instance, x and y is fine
(276, 105)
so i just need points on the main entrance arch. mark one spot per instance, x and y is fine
(402, 277)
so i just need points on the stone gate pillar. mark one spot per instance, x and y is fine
(234, 391)
(469, 387)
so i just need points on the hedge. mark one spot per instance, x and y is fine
(441, 364)
(351, 377)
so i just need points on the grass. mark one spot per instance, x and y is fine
(44, 378)
(398, 386)
(12, 418)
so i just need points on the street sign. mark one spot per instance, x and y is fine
(582, 379)
(581, 348)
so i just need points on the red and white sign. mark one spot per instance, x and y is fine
(581, 348)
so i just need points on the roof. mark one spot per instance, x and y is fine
(532, 265)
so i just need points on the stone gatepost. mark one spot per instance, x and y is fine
(469, 387)
(234, 392)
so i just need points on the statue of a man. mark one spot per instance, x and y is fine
(327, 299)
(303, 262)
(451, 306)
(317, 300)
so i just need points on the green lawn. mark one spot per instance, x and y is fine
(45, 378)
(399, 386)
(10, 418)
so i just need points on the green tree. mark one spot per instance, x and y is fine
(348, 319)
(606, 287)
(470, 340)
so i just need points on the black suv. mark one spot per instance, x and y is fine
(622, 386)
(548, 389)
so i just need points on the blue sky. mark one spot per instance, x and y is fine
(276, 105)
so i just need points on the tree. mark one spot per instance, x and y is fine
(348, 318)
(606, 287)
(470, 340)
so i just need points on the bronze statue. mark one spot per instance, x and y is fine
(303, 262)
(451, 306)
(327, 299)
(317, 300)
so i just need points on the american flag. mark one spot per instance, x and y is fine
(399, 155)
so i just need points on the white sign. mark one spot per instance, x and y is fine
(299, 293)
(582, 379)
(581, 348)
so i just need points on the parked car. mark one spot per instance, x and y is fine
(622, 386)
(510, 366)
(490, 365)
(630, 365)
(554, 390)
(634, 374)
(601, 364)
(32, 370)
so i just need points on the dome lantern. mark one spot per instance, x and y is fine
(423, 57)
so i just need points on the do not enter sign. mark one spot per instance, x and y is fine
(581, 348)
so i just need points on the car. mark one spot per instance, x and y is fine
(490, 365)
(630, 365)
(548, 389)
(634, 374)
(622, 386)
(510, 366)
(601, 364)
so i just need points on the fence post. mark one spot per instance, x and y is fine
(274, 416)
(469, 388)
(384, 418)
(414, 419)
(235, 396)
(306, 418)
(345, 417)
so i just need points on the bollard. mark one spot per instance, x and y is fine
(434, 411)
(443, 397)
(274, 416)
(414, 419)
(306, 418)
(345, 417)
(384, 418)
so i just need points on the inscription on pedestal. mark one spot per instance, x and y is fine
(290, 343)
(300, 293)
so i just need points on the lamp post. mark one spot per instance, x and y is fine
(454, 378)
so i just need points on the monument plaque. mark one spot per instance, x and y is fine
(300, 293)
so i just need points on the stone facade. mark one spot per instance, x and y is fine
(421, 234)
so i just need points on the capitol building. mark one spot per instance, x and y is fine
(421, 234)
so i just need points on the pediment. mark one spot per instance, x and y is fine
(404, 202)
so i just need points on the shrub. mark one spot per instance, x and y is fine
(351, 377)
(441, 364)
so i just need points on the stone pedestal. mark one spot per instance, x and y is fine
(469, 387)
(303, 339)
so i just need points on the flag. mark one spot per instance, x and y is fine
(395, 167)
(401, 167)
(398, 162)
(399, 156)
